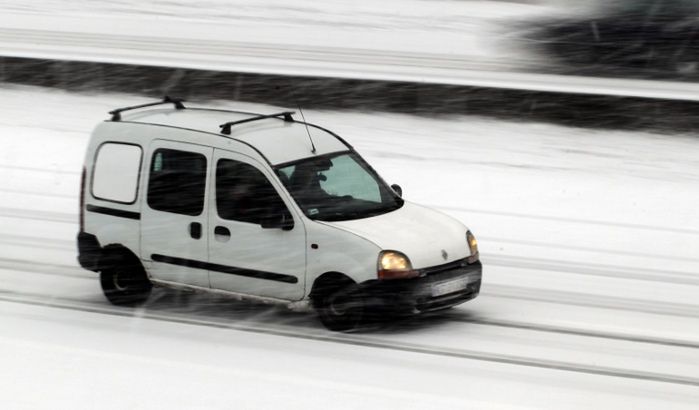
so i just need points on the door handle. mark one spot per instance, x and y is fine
(222, 234)
(195, 230)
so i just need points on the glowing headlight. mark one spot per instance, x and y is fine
(395, 265)
(472, 247)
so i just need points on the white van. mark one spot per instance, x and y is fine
(263, 207)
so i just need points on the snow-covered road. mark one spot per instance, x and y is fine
(587, 237)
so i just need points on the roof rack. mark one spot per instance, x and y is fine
(116, 114)
(226, 128)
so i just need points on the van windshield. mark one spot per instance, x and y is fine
(337, 187)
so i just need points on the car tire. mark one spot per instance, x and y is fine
(339, 307)
(123, 279)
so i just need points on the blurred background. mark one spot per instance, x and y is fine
(639, 38)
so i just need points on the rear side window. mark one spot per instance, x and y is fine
(115, 175)
(177, 182)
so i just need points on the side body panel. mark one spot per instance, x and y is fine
(337, 250)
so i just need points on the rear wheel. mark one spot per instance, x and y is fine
(123, 279)
(339, 306)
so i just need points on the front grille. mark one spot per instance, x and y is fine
(443, 268)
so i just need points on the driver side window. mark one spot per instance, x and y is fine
(244, 194)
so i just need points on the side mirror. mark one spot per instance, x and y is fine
(397, 189)
(280, 220)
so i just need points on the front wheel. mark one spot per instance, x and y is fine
(339, 308)
(123, 279)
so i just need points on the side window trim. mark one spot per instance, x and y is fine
(138, 176)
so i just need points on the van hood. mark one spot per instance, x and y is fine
(427, 237)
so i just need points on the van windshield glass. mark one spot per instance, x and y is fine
(338, 187)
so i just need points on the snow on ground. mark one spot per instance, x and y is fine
(586, 233)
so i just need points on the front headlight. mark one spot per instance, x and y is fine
(472, 247)
(394, 265)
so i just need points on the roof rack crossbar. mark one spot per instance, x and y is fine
(287, 116)
(116, 114)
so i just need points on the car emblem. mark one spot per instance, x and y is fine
(445, 255)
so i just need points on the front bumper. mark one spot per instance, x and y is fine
(438, 287)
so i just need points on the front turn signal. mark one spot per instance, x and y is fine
(472, 247)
